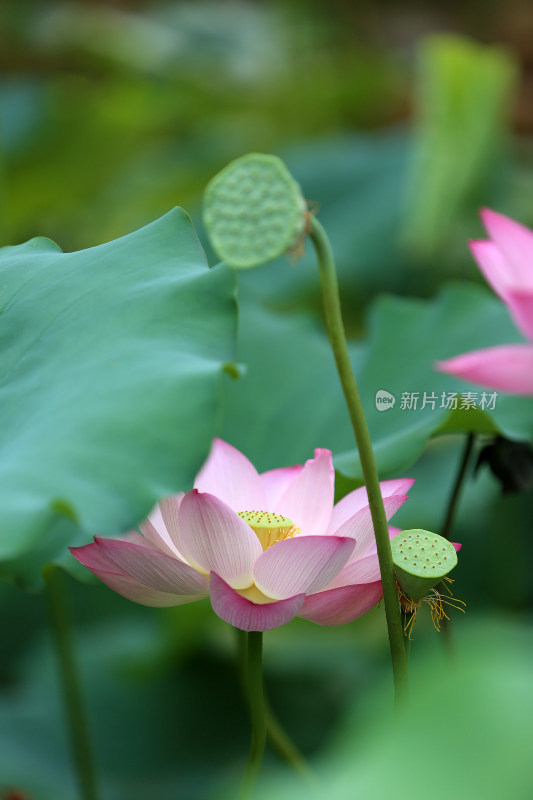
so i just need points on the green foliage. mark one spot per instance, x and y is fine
(107, 119)
(290, 352)
(289, 399)
(111, 362)
(351, 182)
(166, 709)
(463, 96)
(458, 713)
(406, 338)
(109, 116)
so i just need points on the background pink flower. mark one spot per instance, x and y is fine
(506, 261)
(303, 556)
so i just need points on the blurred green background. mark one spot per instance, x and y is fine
(399, 120)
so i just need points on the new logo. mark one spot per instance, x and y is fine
(384, 400)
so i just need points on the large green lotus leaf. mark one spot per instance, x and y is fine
(110, 365)
(290, 400)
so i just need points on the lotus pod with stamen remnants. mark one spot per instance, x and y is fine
(421, 560)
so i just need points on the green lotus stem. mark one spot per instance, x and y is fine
(337, 337)
(286, 747)
(254, 666)
(242, 658)
(453, 503)
(447, 528)
(77, 724)
(277, 734)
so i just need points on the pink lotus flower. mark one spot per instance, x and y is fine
(506, 261)
(265, 548)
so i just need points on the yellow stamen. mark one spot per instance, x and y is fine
(436, 603)
(268, 527)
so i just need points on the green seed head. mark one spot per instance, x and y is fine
(254, 211)
(264, 519)
(421, 560)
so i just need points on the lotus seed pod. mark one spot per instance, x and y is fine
(254, 211)
(268, 527)
(421, 560)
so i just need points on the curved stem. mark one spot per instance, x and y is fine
(285, 746)
(447, 528)
(277, 734)
(257, 712)
(453, 503)
(79, 736)
(337, 337)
